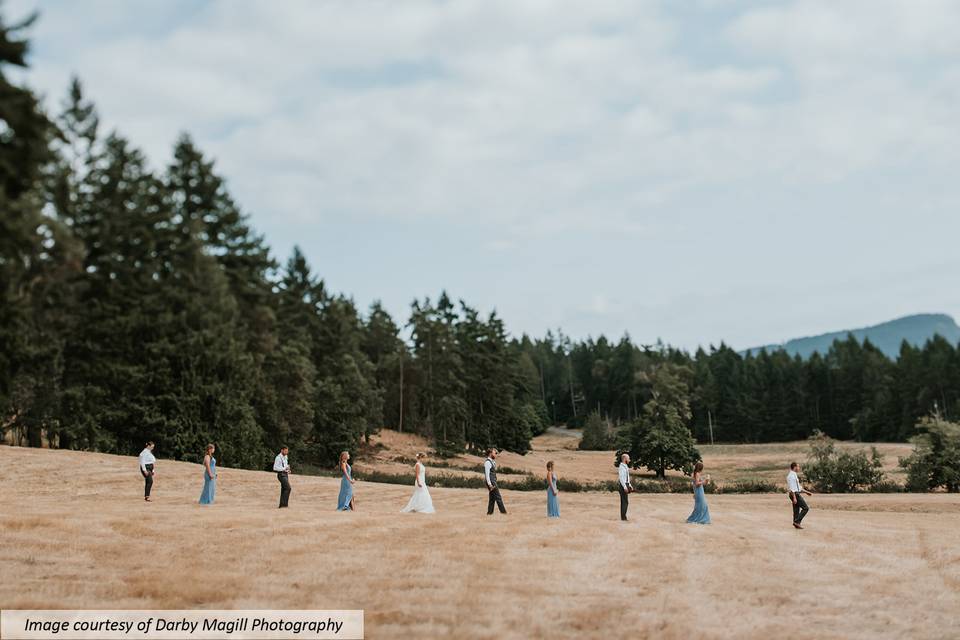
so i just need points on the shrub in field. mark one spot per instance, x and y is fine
(668, 485)
(887, 486)
(436, 480)
(575, 486)
(535, 483)
(447, 448)
(833, 472)
(527, 483)
(750, 486)
(598, 435)
(935, 461)
(501, 470)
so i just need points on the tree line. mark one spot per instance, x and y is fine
(853, 392)
(140, 304)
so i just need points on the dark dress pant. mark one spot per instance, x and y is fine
(284, 479)
(147, 480)
(800, 508)
(624, 501)
(495, 498)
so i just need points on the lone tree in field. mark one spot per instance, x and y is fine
(935, 461)
(661, 438)
(597, 434)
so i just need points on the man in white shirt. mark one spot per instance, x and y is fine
(147, 464)
(623, 484)
(795, 490)
(282, 466)
(490, 475)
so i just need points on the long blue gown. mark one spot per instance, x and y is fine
(209, 484)
(701, 514)
(553, 503)
(346, 490)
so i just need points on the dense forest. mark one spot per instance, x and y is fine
(140, 304)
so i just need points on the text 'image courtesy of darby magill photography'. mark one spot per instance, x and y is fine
(513, 319)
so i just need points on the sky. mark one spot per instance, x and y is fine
(691, 171)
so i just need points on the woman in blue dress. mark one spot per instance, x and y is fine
(701, 514)
(553, 504)
(345, 499)
(209, 476)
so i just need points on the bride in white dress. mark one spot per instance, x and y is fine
(420, 500)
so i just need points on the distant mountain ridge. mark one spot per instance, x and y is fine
(886, 336)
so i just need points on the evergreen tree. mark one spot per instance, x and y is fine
(289, 409)
(704, 397)
(530, 409)
(876, 419)
(206, 211)
(440, 375)
(208, 216)
(346, 402)
(37, 258)
(25, 128)
(661, 439)
(120, 216)
(491, 378)
(388, 354)
(347, 369)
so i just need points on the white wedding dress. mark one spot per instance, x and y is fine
(420, 501)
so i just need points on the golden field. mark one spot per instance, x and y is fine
(725, 463)
(77, 534)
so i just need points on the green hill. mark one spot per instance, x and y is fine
(887, 336)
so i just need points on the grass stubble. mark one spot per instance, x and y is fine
(78, 535)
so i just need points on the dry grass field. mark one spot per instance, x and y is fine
(77, 534)
(725, 463)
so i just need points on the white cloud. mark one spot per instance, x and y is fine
(578, 123)
(816, 32)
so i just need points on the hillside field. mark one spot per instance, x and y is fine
(77, 534)
(726, 463)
